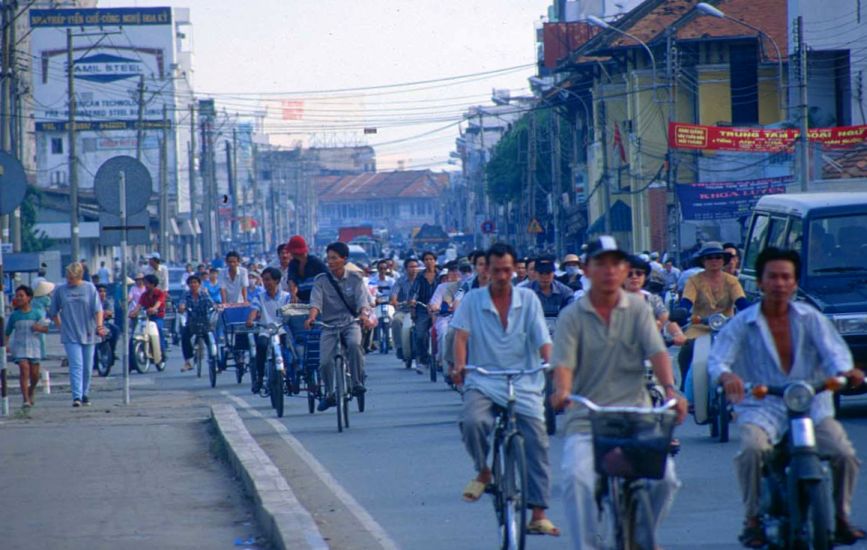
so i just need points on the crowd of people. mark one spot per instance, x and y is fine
(610, 313)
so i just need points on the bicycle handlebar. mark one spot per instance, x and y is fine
(340, 326)
(507, 372)
(668, 405)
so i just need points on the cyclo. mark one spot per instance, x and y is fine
(235, 338)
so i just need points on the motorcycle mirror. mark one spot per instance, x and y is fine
(760, 392)
(679, 315)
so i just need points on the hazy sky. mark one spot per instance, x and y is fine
(271, 46)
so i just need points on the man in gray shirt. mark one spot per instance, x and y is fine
(339, 308)
(600, 345)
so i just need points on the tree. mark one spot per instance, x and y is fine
(31, 239)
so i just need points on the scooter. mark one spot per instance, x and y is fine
(103, 356)
(145, 345)
(407, 331)
(796, 504)
(384, 314)
(710, 405)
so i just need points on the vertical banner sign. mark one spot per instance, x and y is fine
(725, 200)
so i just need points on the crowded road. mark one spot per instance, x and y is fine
(394, 478)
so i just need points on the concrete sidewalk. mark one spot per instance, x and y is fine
(115, 476)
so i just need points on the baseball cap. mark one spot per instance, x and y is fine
(604, 244)
(545, 265)
(154, 256)
(297, 245)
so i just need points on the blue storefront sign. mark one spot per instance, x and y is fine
(725, 200)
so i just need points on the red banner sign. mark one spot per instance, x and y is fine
(759, 140)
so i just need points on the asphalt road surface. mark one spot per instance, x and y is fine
(394, 478)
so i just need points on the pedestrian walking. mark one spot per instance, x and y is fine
(22, 340)
(76, 310)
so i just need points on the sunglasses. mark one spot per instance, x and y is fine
(636, 273)
(715, 257)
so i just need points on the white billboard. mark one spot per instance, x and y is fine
(122, 57)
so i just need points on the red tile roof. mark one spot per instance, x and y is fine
(381, 185)
(771, 16)
(846, 164)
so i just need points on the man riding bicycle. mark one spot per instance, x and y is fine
(339, 296)
(776, 342)
(266, 308)
(198, 306)
(504, 328)
(600, 345)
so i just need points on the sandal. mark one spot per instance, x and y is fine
(753, 536)
(847, 534)
(474, 490)
(543, 527)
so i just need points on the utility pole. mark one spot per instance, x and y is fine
(803, 108)
(164, 188)
(139, 134)
(207, 217)
(555, 180)
(197, 251)
(6, 63)
(298, 206)
(13, 106)
(674, 209)
(73, 162)
(531, 175)
(232, 191)
(605, 183)
(236, 198)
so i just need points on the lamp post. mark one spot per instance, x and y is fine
(707, 9)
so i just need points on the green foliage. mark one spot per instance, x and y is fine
(30, 240)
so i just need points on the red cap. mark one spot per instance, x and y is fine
(297, 245)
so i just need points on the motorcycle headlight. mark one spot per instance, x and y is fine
(798, 397)
(717, 321)
(850, 324)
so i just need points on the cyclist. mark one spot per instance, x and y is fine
(480, 277)
(255, 288)
(420, 294)
(531, 273)
(572, 276)
(284, 257)
(234, 280)
(708, 292)
(340, 296)
(636, 278)
(776, 342)
(399, 294)
(212, 285)
(520, 272)
(198, 306)
(266, 307)
(303, 269)
(600, 345)
(154, 302)
(442, 305)
(552, 294)
(504, 327)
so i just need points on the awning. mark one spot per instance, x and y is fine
(61, 231)
(621, 219)
(175, 230)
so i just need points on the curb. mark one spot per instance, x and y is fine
(286, 523)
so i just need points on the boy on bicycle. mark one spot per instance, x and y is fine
(266, 307)
(198, 306)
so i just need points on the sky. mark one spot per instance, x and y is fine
(259, 53)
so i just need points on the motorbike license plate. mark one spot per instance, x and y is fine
(803, 434)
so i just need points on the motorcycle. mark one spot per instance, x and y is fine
(407, 330)
(709, 402)
(796, 504)
(103, 356)
(145, 345)
(384, 313)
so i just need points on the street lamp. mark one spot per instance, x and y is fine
(596, 22)
(712, 11)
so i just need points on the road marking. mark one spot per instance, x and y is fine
(371, 525)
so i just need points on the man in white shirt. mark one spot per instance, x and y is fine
(234, 280)
(266, 307)
(156, 267)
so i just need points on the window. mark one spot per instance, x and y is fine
(776, 236)
(756, 242)
(56, 146)
(796, 235)
(744, 83)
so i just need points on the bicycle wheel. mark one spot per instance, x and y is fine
(104, 358)
(199, 356)
(312, 390)
(275, 379)
(140, 361)
(638, 524)
(347, 393)
(338, 391)
(212, 373)
(513, 528)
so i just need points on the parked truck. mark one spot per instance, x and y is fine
(347, 234)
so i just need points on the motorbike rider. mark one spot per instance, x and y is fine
(503, 327)
(340, 296)
(266, 308)
(153, 300)
(420, 294)
(708, 292)
(600, 345)
(573, 273)
(303, 270)
(108, 317)
(400, 294)
(380, 285)
(778, 341)
(734, 266)
(639, 270)
(197, 304)
(531, 273)
(520, 271)
(670, 273)
(553, 294)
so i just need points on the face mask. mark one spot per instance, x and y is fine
(572, 270)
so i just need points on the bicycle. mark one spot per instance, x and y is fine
(342, 378)
(275, 369)
(509, 463)
(630, 446)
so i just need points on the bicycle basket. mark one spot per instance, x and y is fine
(631, 445)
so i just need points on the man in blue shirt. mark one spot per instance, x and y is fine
(776, 342)
(553, 294)
(266, 307)
(503, 327)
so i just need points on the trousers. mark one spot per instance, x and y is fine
(477, 423)
(831, 440)
(353, 355)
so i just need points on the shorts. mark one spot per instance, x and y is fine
(31, 359)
